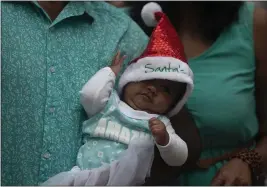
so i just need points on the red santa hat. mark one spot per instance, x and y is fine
(164, 57)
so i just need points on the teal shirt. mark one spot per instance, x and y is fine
(44, 65)
(126, 10)
(223, 102)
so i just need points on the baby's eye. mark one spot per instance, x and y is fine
(166, 89)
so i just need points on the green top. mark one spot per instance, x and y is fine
(223, 103)
(126, 10)
(44, 66)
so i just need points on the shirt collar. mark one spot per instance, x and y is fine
(72, 9)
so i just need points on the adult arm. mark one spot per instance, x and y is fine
(184, 127)
(260, 38)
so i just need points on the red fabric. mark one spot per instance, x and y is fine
(164, 41)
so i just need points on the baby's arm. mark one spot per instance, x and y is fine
(172, 148)
(96, 92)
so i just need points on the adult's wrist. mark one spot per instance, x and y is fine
(254, 161)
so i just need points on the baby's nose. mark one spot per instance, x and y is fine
(152, 89)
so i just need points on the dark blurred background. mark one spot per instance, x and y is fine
(133, 8)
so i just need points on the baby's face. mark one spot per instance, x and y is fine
(155, 96)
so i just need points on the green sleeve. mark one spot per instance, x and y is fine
(246, 15)
(132, 44)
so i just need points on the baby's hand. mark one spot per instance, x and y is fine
(159, 131)
(117, 63)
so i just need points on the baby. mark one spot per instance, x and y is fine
(139, 112)
(122, 127)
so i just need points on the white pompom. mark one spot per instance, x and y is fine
(148, 13)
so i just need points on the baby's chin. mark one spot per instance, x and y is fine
(140, 106)
(135, 106)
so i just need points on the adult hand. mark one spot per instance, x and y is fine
(235, 173)
(117, 63)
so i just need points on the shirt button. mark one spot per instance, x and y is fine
(52, 109)
(52, 69)
(46, 155)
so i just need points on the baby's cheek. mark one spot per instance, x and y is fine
(164, 104)
(166, 100)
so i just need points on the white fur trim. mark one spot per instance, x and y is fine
(159, 68)
(148, 13)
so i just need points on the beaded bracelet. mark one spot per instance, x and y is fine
(254, 160)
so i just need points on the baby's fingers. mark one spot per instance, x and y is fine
(122, 59)
(116, 59)
(154, 121)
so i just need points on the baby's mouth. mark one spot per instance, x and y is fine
(147, 96)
